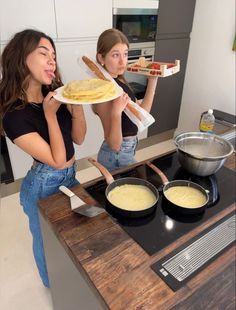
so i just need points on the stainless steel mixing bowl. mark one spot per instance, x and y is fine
(202, 153)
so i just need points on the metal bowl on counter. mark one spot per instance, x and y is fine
(202, 153)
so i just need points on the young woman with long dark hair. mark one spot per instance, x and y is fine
(38, 124)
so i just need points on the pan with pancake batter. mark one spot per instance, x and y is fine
(184, 196)
(128, 197)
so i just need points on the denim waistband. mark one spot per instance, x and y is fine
(130, 138)
(127, 144)
(38, 166)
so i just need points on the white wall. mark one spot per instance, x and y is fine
(210, 75)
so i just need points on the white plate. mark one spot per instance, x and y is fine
(59, 96)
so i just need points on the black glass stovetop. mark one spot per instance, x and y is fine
(156, 231)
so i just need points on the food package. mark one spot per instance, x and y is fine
(140, 117)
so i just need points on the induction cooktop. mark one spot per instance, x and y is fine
(156, 231)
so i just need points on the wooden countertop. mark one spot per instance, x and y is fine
(118, 270)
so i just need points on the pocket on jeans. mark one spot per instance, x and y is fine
(26, 188)
(55, 180)
(107, 159)
(127, 148)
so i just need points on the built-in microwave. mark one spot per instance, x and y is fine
(137, 19)
(138, 24)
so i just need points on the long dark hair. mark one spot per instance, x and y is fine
(15, 72)
(107, 40)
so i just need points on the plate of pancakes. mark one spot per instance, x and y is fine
(90, 91)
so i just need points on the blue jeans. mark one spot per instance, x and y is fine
(114, 160)
(42, 181)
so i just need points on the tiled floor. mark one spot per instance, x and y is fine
(20, 285)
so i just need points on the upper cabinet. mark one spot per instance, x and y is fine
(60, 19)
(82, 19)
(18, 15)
(175, 16)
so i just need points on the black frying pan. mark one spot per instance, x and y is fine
(209, 183)
(168, 184)
(116, 211)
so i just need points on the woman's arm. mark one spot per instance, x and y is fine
(53, 154)
(149, 95)
(79, 127)
(110, 114)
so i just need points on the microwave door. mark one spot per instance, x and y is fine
(138, 25)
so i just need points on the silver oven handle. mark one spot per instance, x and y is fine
(134, 11)
(135, 59)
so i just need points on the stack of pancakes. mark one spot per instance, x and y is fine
(89, 90)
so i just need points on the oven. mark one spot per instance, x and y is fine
(138, 21)
(5, 165)
(138, 83)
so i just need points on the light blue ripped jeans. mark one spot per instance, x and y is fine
(42, 181)
(114, 160)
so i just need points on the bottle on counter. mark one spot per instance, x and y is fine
(207, 122)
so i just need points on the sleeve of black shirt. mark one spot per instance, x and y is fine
(15, 124)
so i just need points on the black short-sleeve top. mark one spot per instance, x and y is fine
(128, 127)
(21, 121)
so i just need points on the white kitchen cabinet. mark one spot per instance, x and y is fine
(94, 135)
(18, 15)
(82, 19)
(68, 55)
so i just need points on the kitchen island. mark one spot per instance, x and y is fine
(94, 264)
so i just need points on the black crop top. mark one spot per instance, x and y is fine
(31, 119)
(128, 127)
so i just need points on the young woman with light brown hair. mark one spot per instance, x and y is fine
(120, 133)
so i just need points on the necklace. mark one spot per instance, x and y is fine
(37, 106)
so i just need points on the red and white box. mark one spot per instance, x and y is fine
(148, 68)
